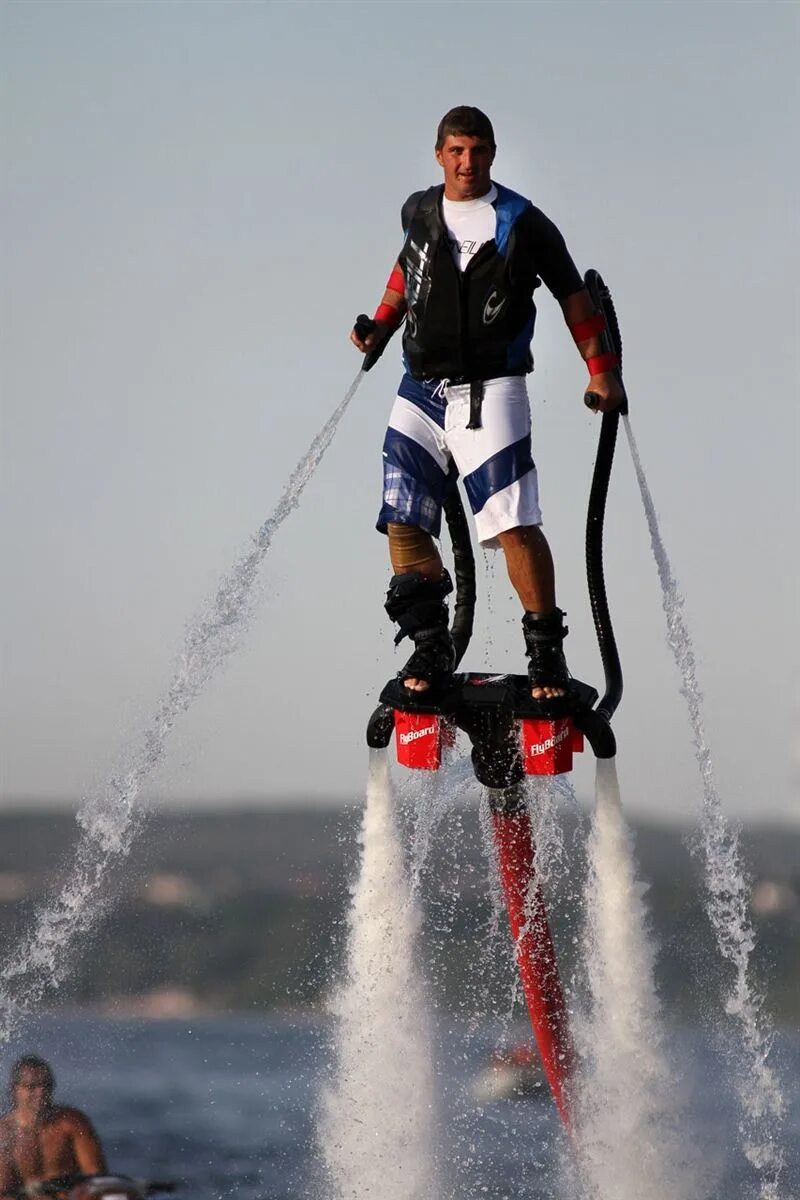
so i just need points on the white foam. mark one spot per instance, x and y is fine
(630, 1130)
(377, 1126)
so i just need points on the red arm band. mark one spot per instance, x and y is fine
(593, 325)
(602, 363)
(396, 282)
(386, 314)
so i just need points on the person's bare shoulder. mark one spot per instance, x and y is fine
(70, 1118)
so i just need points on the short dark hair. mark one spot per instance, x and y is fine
(32, 1062)
(467, 121)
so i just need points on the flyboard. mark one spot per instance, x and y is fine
(513, 735)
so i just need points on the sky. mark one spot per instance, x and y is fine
(197, 200)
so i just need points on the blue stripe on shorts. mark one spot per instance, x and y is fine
(426, 396)
(414, 485)
(502, 469)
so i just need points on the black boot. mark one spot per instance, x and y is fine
(417, 604)
(544, 635)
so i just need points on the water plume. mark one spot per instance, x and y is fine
(377, 1119)
(631, 1135)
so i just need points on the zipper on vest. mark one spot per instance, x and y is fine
(463, 320)
(487, 251)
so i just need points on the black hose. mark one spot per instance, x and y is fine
(464, 572)
(596, 513)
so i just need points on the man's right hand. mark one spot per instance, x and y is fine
(604, 393)
(372, 339)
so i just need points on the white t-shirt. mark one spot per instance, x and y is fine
(470, 224)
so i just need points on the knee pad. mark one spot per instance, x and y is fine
(409, 546)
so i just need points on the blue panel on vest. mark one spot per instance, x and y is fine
(502, 469)
(508, 206)
(519, 349)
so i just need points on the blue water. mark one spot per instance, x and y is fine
(226, 1106)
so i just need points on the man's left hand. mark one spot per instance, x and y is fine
(607, 392)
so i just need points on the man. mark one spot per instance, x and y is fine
(39, 1139)
(473, 253)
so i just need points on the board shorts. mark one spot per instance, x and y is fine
(427, 446)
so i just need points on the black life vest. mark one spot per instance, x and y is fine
(475, 324)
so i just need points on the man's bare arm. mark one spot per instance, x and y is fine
(86, 1144)
(392, 306)
(579, 307)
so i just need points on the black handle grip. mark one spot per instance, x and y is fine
(591, 400)
(363, 327)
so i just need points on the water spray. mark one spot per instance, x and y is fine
(633, 1139)
(377, 1127)
(758, 1089)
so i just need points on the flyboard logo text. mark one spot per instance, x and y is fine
(548, 744)
(415, 734)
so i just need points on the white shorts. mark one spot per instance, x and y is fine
(428, 445)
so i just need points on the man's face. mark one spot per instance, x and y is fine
(32, 1089)
(467, 163)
